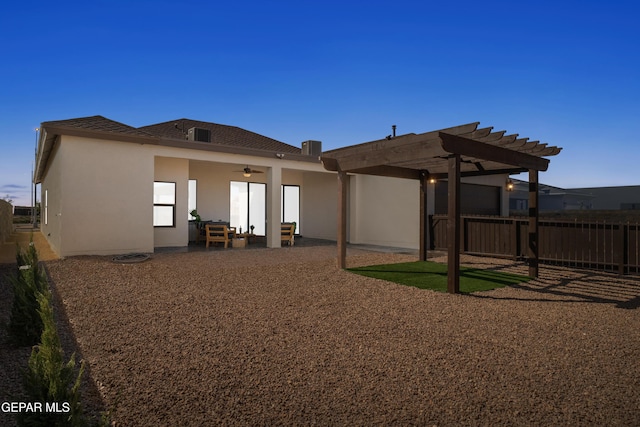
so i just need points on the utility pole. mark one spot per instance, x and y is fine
(34, 216)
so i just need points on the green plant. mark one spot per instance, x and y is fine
(25, 324)
(194, 213)
(431, 275)
(49, 380)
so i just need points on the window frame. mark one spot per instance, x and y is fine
(172, 205)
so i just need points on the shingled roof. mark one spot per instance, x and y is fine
(220, 134)
(224, 139)
(176, 129)
(96, 123)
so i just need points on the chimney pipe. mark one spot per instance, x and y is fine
(393, 128)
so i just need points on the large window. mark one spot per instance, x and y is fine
(248, 203)
(291, 205)
(164, 204)
(248, 206)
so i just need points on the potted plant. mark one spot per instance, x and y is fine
(196, 218)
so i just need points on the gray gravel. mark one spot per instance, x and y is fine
(282, 337)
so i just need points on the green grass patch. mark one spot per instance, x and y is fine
(431, 275)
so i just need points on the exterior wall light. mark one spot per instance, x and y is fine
(509, 185)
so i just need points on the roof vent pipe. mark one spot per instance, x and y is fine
(393, 129)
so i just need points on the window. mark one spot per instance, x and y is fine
(193, 187)
(164, 204)
(291, 205)
(46, 207)
(248, 206)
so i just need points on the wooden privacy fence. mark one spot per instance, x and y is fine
(601, 245)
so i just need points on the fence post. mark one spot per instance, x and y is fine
(533, 224)
(514, 238)
(624, 248)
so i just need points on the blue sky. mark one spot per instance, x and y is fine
(562, 72)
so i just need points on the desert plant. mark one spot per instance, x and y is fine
(25, 323)
(49, 380)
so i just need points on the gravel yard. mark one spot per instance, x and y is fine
(282, 337)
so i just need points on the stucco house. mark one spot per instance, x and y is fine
(551, 198)
(110, 188)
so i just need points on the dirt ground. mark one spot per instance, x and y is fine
(283, 337)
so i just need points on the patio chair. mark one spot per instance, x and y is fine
(286, 232)
(218, 233)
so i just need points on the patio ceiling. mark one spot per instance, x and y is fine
(413, 156)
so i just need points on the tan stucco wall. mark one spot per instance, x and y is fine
(385, 211)
(317, 199)
(51, 200)
(319, 205)
(100, 193)
(174, 170)
(99, 198)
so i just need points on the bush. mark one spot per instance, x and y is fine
(49, 380)
(25, 324)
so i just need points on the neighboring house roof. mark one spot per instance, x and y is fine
(227, 139)
(545, 189)
(220, 134)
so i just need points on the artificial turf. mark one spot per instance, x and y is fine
(431, 275)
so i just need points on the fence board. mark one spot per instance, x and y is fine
(597, 244)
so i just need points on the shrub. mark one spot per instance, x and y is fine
(25, 323)
(49, 380)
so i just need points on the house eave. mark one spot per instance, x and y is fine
(49, 135)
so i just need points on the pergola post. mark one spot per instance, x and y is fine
(453, 226)
(533, 224)
(424, 244)
(342, 219)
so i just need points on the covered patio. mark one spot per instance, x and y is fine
(450, 154)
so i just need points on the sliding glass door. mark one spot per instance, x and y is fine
(248, 204)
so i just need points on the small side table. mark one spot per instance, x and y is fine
(239, 242)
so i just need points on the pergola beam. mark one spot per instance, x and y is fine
(468, 147)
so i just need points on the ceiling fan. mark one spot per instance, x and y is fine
(248, 171)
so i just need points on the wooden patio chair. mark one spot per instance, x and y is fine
(286, 232)
(217, 233)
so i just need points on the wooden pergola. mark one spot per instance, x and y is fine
(451, 153)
